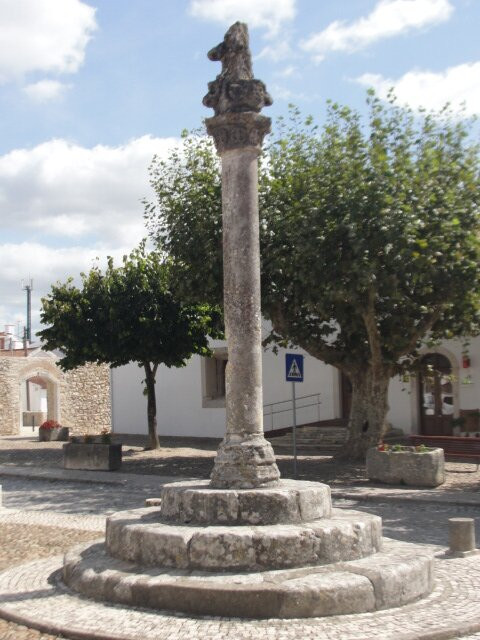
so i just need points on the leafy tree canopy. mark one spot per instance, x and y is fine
(127, 314)
(369, 239)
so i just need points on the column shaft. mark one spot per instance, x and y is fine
(241, 267)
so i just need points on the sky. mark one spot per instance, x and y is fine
(91, 90)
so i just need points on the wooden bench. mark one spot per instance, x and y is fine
(454, 447)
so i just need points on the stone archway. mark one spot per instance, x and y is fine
(39, 399)
(38, 395)
(78, 399)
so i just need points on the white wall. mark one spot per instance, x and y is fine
(403, 396)
(318, 379)
(179, 397)
(401, 404)
(469, 393)
(179, 400)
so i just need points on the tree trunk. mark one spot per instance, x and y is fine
(367, 423)
(154, 442)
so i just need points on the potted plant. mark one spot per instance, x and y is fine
(398, 464)
(52, 430)
(94, 452)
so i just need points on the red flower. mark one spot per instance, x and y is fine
(50, 424)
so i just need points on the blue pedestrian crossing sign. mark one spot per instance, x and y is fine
(294, 367)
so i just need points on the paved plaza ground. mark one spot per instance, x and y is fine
(48, 510)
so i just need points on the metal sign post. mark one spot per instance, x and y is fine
(293, 374)
(294, 430)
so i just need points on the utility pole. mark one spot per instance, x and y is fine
(29, 288)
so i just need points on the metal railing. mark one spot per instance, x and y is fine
(269, 412)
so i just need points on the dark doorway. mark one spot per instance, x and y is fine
(436, 395)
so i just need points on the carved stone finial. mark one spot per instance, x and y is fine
(234, 54)
(235, 90)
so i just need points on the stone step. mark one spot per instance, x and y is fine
(324, 438)
(399, 574)
(309, 439)
(141, 537)
(315, 432)
(288, 501)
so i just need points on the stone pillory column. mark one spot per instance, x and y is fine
(187, 555)
(245, 459)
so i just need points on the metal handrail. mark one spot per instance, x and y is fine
(272, 413)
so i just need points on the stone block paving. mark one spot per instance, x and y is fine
(45, 516)
(47, 519)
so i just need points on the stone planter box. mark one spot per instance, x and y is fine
(46, 435)
(94, 456)
(422, 469)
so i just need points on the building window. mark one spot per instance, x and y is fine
(213, 379)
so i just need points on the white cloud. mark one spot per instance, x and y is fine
(283, 93)
(267, 14)
(432, 90)
(57, 191)
(389, 18)
(43, 35)
(45, 90)
(46, 265)
(62, 189)
(287, 72)
(278, 50)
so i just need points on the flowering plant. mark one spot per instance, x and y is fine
(50, 424)
(419, 448)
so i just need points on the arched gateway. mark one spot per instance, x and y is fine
(33, 389)
(437, 395)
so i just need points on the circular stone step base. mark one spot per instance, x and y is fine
(289, 501)
(399, 574)
(141, 537)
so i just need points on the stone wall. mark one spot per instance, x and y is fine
(86, 405)
(9, 402)
(79, 399)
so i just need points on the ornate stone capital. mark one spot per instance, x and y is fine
(235, 90)
(237, 130)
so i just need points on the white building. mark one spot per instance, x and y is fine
(191, 400)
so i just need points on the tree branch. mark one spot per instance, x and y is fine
(373, 333)
(320, 350)
(421, 329)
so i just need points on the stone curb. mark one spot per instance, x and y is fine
(146, 480)
(408, 496)
(58, 629)
(96, 477)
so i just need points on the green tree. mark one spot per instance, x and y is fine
(127, 314)
(369, 240)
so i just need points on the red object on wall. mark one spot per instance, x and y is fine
(465, 361)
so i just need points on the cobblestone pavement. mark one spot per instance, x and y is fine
(188, 458)
(453, 604)
(45, 517)
(424, 523)
(72, 497)
(407, 520)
